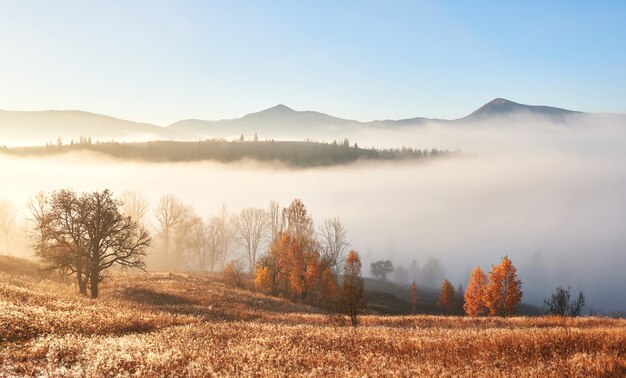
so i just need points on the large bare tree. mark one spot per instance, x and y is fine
(86, 235)
(251, 227)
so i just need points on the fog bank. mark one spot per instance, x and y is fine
(553, 198)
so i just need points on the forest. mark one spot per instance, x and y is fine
(290, 153)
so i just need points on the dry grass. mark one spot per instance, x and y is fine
(189, 325)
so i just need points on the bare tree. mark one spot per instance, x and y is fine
(181, 233)
(167, 212)
(560, 303)
(136, 205)
(220, 238)
(113, 239)
(298, 221)
(199, 243)
(8, 215)
(276, 222)
(86, 235)
(334, 243)
(251, 227)
(59, 235)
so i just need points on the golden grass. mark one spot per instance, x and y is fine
(192, 325)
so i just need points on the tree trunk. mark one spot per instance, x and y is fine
(94, 286)
(81, 279)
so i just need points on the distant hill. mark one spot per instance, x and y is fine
(278, 122)
(502, 108)
(17, 127)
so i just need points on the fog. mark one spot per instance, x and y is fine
(550, 196)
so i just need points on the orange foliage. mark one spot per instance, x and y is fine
(475, 294)
(294, 269)
(263, 280)
(446, 297)
(504, 289)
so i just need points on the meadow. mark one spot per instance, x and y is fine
(178, 324)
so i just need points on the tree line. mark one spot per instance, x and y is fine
(293, 153)
(84, 234)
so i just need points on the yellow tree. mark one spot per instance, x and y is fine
(446, 297)
(475, 294)
(504, 289)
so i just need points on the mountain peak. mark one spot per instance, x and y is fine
(503, 107)
(279, 108)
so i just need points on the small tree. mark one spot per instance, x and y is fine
(560, 303)
(381, 268)
(234, 273)
(447, 297)
(351, 299)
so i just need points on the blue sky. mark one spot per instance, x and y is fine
(161, 61)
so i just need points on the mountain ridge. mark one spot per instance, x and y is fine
(279, 121)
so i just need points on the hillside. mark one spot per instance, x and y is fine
(164, 324)
(39, 127)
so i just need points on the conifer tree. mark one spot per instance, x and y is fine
(447, 297)
(504, 289)
(475, 294)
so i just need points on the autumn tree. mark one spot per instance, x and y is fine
(293, 267)
(504, 289)
(351, 299)
(234, 273)
(475, 294)
(251, 228)
(381, 268)
(447, 297)
(86, 235)
(334, 242)
(560, 303)
(413, 298)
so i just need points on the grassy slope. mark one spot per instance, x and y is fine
(177, 324)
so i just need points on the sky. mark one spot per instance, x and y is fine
(163, 61)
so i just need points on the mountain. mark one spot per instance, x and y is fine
(502, 108)
(278, 121)
(39, 127)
